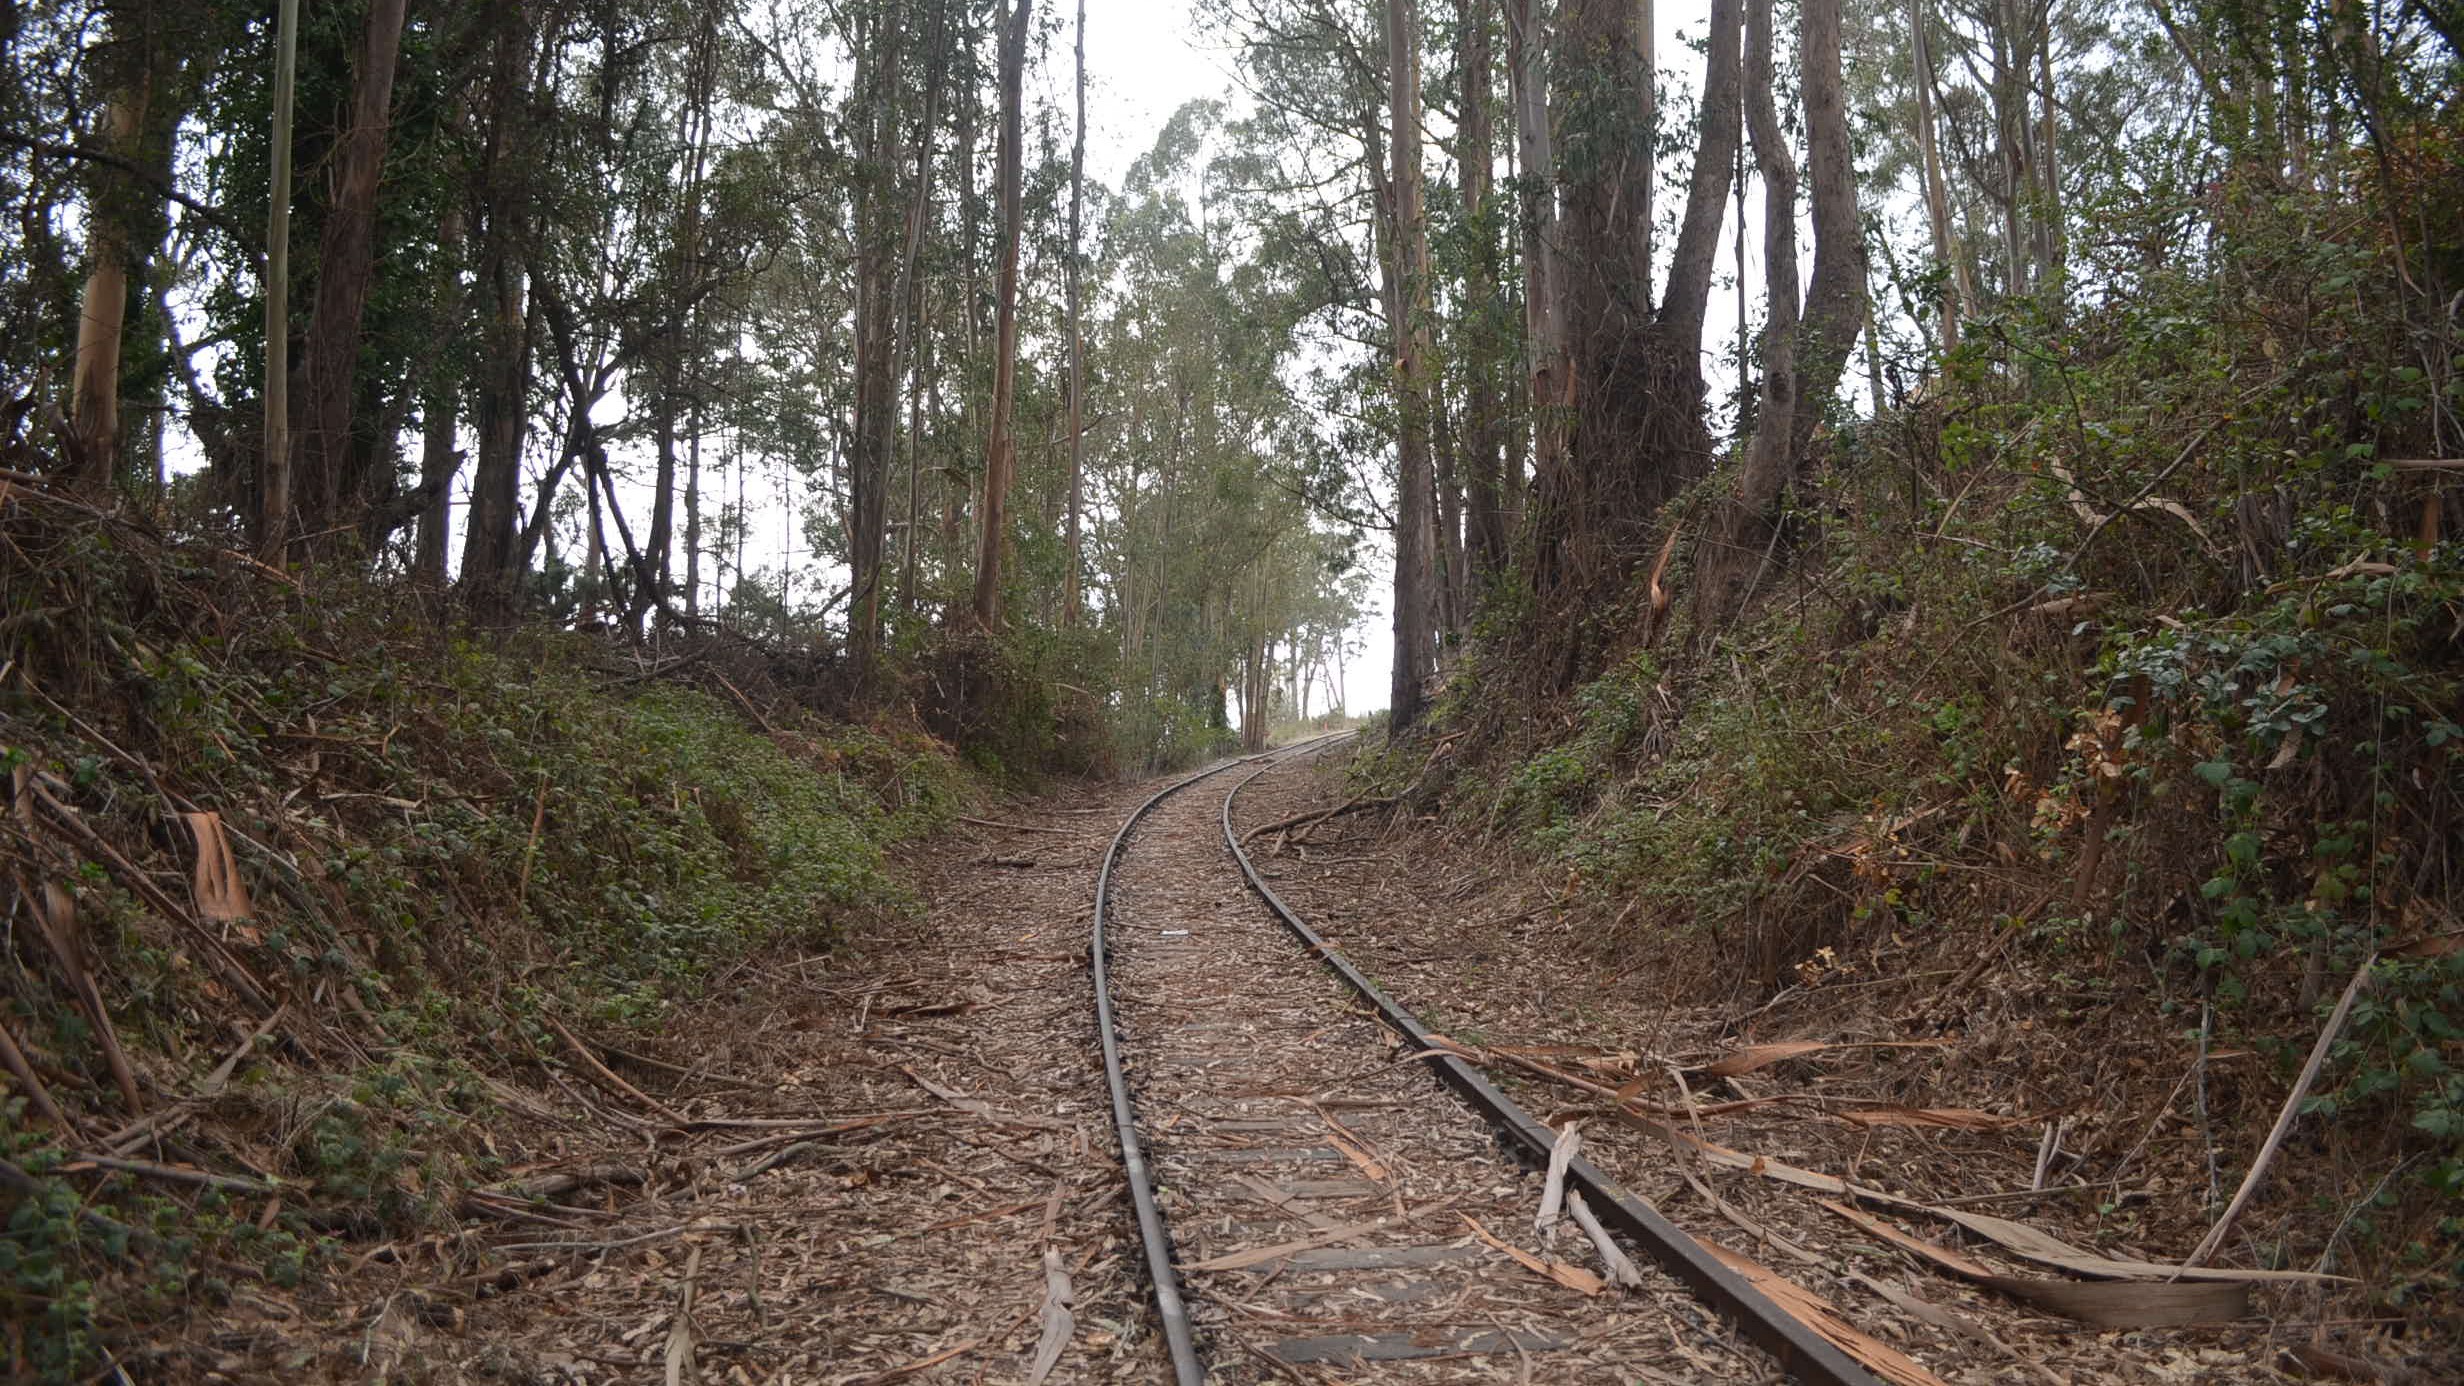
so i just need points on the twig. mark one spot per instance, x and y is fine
(691, 1075)
(572, 1248)
(173, 1174)
(1302, 820)
(2284, 1119)
(746, 703)
(530, 849)
(1015, 827)
(1621, 1268)
(600, 1073)
(226, 969)
(23, 1071)
(14, 1176)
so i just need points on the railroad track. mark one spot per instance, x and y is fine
(1307, 1195)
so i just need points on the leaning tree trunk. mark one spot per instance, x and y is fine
(1001, 448)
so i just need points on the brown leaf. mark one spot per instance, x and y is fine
(2104, 1304)
(1260, 1255)
(1819, 1315)
(1574, 1278)
(1755, 1056)
(1947, 1118)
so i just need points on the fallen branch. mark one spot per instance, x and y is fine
(22, 1070)
(173, 1174)
(2284, 1119)
(1015, 827)
(1622, 1272)
(1356, 804)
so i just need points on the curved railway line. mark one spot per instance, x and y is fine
(1307, 1195)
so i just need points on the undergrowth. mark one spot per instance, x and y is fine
(447, 843)
(2135, 644)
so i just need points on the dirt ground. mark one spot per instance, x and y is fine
(1898, 1072)
(897, 1163)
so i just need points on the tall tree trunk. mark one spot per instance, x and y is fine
(274, 519)
(1446, 443)
(1687, 300)
(1001, 449)
(441, 414)
(1077, 339)
(1958, 295)
(1835, 292)
(1597, 82)
(1804, 353)
(113, 217)
(1526, 47)
(1415, 646)
(346, 258)
(488, 538)
(674, 366)
(2051, 251)
(502, 399)
(879, 301)
(1731, 559)
(1475, 134)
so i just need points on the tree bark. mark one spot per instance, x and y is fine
(274, 518)
(113, 249)
(1604, 164)
(673, 367)
(879, 301)
(1474, 155)
(1687, 299)
(1077, 339)
(1835, 293)
(502, 402)
(346, 261)
(1549, 398)
(1731, 558)
(1957, 293)
(1001, 449)
(1804, 352)
(1415, 646)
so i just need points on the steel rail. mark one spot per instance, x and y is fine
(1180, 1341)
(1805, 1355)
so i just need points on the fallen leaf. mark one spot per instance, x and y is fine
(1574, 1278)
